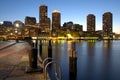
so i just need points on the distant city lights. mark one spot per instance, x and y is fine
(17, 25)
(1, 23)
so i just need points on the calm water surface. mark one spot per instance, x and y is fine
(98, 60)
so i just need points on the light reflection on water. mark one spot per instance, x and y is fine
(99, 60)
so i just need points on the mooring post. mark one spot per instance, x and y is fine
(50, 49)
(36, 44)
(73, 62)
(33, 57)
(17, 40)
(40, 47)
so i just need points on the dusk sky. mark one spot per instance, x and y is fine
(71, 10)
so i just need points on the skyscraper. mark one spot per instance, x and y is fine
(43, 12)
(43, 18)
(56, 20)
(91, 23)
(107, 24)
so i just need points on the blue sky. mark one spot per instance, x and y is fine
(71, 10)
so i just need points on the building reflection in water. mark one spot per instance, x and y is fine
(107, 58)
(107, 49)
(91, 48)
(72, 62)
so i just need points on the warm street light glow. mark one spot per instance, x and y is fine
(69, 36)
(34, 37)
(1, 23)
(17, 25)
(34, 41)
(11, 33)
(16, 31)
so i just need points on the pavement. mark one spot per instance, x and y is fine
(13, 66)
(6, 44)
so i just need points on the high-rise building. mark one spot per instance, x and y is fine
(107, 24)
(91, 23)
(56, 20)
(43, 18)
(43, 12)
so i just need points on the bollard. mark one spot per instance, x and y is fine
(33, 58)
(50, 49)
(32, 44)
(36, 44)
(33, 62)
(17, 40)
(40, 47)
(73, 65)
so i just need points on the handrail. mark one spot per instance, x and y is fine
(48, 58)
(56, 74)
(43, 61)
(44, 66)
(40, 59)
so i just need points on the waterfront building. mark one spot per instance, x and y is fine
(68, 25)
(78, 27)
(30, 20)
(18, 28)
(107, 24)
(7, 24)
(18, 23)
(56, 20)
(91, 24)
(43, 18)
(32, 27)
(6, 27)
(2, 30)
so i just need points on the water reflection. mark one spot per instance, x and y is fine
(107, 51)
(94, 61)
(90, 48)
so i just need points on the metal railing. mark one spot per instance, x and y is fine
(44, 65)
(58, 75)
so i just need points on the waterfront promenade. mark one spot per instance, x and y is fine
(14, 60)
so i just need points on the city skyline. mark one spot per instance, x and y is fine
(75, 11)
